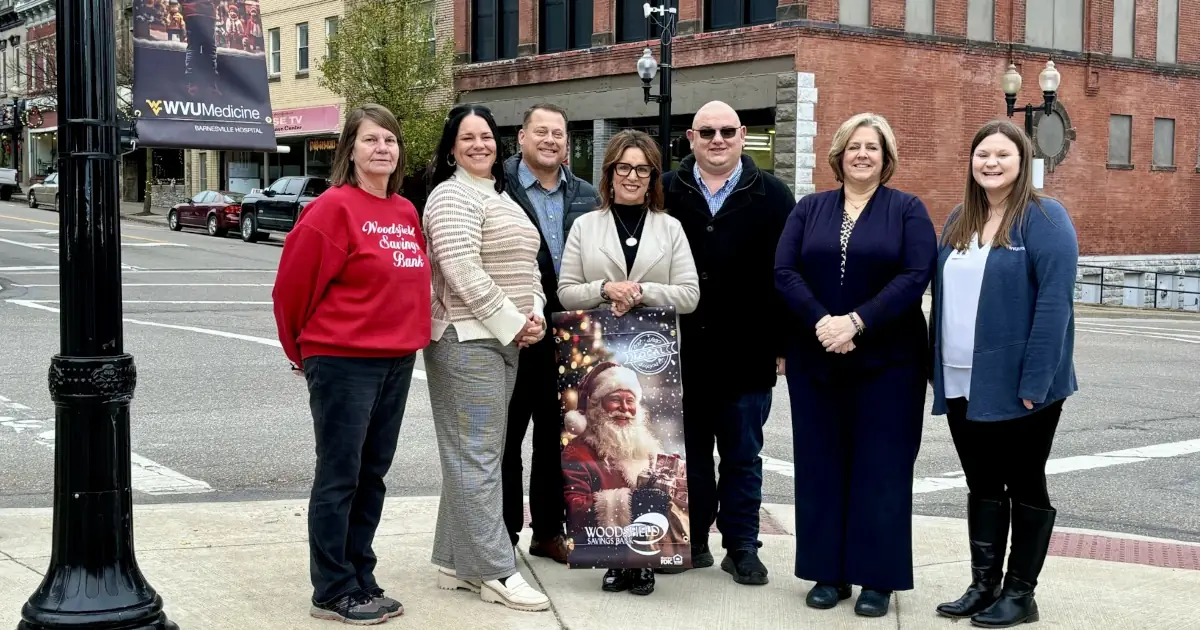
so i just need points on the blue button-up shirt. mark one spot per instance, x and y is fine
(548, 206)
(717, 199)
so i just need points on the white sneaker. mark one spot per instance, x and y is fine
(516, 594)
(447, 580)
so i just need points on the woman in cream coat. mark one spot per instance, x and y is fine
(629, 252)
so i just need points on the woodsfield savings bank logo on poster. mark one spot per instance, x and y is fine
(640, 536)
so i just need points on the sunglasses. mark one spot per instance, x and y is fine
(726, 132)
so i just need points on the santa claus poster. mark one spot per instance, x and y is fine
(624, 472)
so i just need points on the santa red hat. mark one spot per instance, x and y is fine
(605, 378)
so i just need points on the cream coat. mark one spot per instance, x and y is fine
(663, 266)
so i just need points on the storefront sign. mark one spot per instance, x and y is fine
(307, 120)
(322, 144)
(197, 87)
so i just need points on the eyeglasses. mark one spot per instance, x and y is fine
(643, 170)
(726, 132)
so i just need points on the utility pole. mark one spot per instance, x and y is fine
(93, 580)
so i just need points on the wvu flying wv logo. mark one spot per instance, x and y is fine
(155, 106)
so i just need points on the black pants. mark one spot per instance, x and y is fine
(535, 395)
(357, 407)
(1005, 459)
(734, 422)
(201, 48)
(855, 439)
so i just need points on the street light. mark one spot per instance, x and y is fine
(1011, 84)
(647, 67)
(93, 580)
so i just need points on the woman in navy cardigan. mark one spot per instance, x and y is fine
(1003, 331)
(853, 265)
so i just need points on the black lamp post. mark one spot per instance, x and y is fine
(647, 67)
(93, 580)
(1011, 84)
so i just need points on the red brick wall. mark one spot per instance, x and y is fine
(603, 18)
(1145, 33)
(462, 27)
(887, 14)
(950, 17)
(1189, 38)
(937, 95)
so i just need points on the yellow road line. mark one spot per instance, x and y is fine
(55, 224)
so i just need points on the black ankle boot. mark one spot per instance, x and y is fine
(987, 526)
(872, 602)
(615, 581)
(1031, 530)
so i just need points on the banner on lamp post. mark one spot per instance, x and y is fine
(200, 76)
(624, 468)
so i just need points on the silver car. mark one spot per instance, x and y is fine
(44, 192)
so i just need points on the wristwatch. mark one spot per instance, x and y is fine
(603, 293)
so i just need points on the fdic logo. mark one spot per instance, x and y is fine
(650, 352)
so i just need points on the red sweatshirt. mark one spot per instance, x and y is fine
(354, 279)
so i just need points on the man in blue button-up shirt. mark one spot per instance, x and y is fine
(552, 197)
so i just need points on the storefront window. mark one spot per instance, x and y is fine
(286, 164)
(43, 153)
(581, 156)
(319, 156)
(760, 146)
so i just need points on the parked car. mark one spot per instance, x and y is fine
(218, 211)
(8, 183)
(45, 191)
(277, 208)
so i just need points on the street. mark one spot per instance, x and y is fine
(218, 416)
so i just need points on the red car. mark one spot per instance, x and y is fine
(216, 211)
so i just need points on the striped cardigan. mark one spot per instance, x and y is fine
(483, 252)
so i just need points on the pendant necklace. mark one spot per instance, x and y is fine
(631, 241)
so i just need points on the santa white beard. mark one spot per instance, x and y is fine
(631, 446)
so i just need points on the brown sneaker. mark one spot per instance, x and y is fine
(555, 549)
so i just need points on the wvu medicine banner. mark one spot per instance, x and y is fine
(200, 75)
(625, 475)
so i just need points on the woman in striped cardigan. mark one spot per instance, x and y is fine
(487, 305)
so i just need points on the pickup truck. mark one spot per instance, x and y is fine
(8, 183)
(276, 208)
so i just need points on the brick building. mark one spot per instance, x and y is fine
(1122, 149)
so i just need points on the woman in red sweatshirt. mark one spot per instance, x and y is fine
(352, 305)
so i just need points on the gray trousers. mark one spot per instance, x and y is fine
(470, 384)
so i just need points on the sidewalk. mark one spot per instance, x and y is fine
(130, 211)
(227, 566)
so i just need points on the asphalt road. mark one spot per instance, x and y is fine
(217, 415)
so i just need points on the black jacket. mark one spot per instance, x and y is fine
(578, 198)
(732, 340)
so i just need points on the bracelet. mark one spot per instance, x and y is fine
(858, 327)
(603, 293)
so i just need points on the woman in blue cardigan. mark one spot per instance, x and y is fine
(852, 266)
(1003, 331)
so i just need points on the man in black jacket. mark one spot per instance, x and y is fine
(732, 348)
(553, 197)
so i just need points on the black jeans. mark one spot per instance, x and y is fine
(735, 423)
(1005, 459)
(357, 407)
(535, 395)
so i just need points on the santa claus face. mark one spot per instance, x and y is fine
(621, 407)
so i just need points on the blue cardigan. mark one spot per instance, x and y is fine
(1025, 327)
(890, 262)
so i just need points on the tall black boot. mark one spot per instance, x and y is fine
(987, 527)
(1031, 529)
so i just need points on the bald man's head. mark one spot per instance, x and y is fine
(717, 137)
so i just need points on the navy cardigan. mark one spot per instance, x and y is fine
(890, 261)
(1025, 327)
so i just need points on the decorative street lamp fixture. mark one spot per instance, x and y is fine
(647, 67)
(93, 579)
(1011, 84)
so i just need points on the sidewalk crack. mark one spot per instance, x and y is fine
(536, 578)
(6, 556)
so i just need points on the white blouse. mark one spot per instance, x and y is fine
(962, 278)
